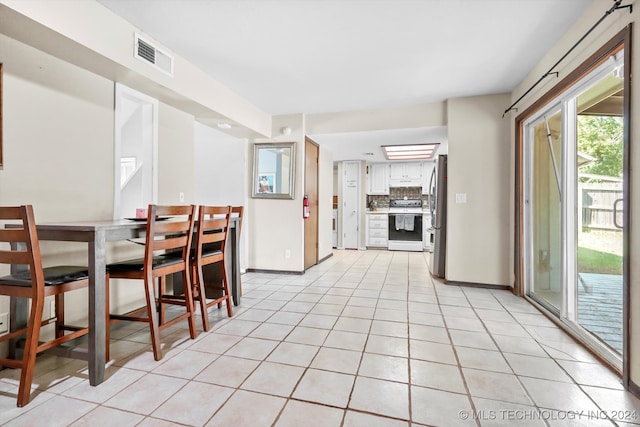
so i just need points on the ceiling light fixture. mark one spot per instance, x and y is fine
(410, 152)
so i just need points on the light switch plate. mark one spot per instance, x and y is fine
(461, 197)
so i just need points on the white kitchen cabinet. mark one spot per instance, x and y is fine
(427, 169)
(334, 228)
(378, 179)
(426, 234)
(405, 174)
(377, 229)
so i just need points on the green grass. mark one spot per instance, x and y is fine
(592, 261)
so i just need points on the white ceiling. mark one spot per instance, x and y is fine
(366, 145)
(318, 56)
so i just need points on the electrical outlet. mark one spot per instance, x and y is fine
(181, 197)
(287, 253)
(4, 323)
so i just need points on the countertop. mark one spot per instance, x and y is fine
(386, 211)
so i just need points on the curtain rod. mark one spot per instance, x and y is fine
(616, 6)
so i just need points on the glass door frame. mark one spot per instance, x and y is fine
(546, 103)
(556, 106)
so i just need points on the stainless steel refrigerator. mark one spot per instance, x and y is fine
(438, 206)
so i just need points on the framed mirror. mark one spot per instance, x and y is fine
(273, 170)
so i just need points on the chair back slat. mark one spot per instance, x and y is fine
(25, 234)
(171, 243)
(213, 226)
(15, 257)
(13, 235)
(174, 234)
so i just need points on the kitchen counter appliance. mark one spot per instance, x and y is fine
(405, 225)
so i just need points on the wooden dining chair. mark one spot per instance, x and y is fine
(239, 211)
(28, 279)
(169, 235)
(210, 248)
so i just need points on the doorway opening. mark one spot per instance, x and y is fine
(136, 152)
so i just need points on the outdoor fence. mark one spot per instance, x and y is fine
(601, 206)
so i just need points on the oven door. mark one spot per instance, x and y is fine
(405, 227)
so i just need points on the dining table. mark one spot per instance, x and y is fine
(96, 234)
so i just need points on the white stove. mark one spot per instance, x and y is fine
(405, 225)
(405, 206)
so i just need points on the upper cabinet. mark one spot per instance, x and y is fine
(427, 170)
(378, 179)
(406, 174)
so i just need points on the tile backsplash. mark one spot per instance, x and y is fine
(402, 192)
(398, 193)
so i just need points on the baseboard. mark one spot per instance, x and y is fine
(325, 258)
(260, 270)
(634, 389)
(479, 285)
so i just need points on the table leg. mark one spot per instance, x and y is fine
(97, 323)
(235, 266)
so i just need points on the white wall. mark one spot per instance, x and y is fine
(175, 156)
(478, 166)
(276, 225)
(220, 165)
(58, 147)
(58, 123)
(91, 36)
(413, 116)
(58, 136)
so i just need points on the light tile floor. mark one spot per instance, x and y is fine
(366, 338)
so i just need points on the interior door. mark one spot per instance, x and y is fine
(350, 205)
(311, 156)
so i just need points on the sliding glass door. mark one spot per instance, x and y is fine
(574, 207)
(600, 207)
(545, 259)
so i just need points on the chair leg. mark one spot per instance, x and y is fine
(202, 298)
(188, 299)
(30, 353)
(152, 315)
(59, 324)
(225, 284)
(162, 309)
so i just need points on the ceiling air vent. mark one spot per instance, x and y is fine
(150, 54)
